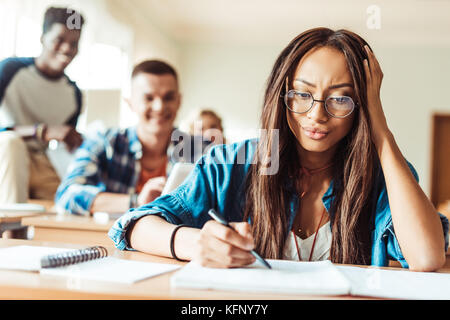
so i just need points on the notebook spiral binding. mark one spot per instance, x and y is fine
(73, 257)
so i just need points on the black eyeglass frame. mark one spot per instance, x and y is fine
(315, 100)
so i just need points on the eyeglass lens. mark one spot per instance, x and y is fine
(301, 102)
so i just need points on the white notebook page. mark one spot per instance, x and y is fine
(110, 269)
(285, 277)
(397, 284)
(26, 258)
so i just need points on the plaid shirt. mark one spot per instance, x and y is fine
(110, 162)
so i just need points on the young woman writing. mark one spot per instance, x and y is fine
(341, 186)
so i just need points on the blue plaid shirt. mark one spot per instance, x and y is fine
(110, 162)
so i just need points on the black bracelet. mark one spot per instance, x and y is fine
(172, 238)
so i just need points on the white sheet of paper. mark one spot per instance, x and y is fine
(21, 207)
(111, 269)
(285, 277)
(27, 258)
(397, 284)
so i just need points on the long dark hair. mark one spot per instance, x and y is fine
(267, 199)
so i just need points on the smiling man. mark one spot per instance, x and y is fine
(38, 103)
(123, 168)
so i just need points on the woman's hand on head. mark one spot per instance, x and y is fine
(221, 247)
(374, 78)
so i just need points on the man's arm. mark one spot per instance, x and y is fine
(84, 181)
(110, 203)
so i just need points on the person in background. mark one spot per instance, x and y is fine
(124, 168)
(208, 124)
(38, 103)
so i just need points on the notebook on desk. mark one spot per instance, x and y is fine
(317, 278)
(66, 262)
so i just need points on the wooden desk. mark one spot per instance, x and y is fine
(12, 220)
(32, 285)
(70, 229)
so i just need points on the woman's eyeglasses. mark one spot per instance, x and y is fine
(302, 102)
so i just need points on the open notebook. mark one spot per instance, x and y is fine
(110, 269)
(285, 277)
(317, 278)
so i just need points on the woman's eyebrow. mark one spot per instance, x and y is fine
(336, 86)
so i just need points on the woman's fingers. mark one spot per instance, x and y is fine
(225, 247)
(245, 231)
(374, 66)
(367, 70)
(229, 235)
(225, 254)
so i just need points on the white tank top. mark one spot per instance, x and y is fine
(321, 249)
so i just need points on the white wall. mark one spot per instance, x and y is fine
(416, 84)
(230, 80)
(148, 42)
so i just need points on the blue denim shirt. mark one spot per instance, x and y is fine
(218, 181)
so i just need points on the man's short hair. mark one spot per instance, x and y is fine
(154, 67)
(64, 16)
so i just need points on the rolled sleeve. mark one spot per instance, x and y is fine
(188, 204)
(445, 227)
(393, 248)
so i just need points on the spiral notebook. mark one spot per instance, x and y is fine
(90, 263)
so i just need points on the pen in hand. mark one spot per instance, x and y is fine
(217, 217)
